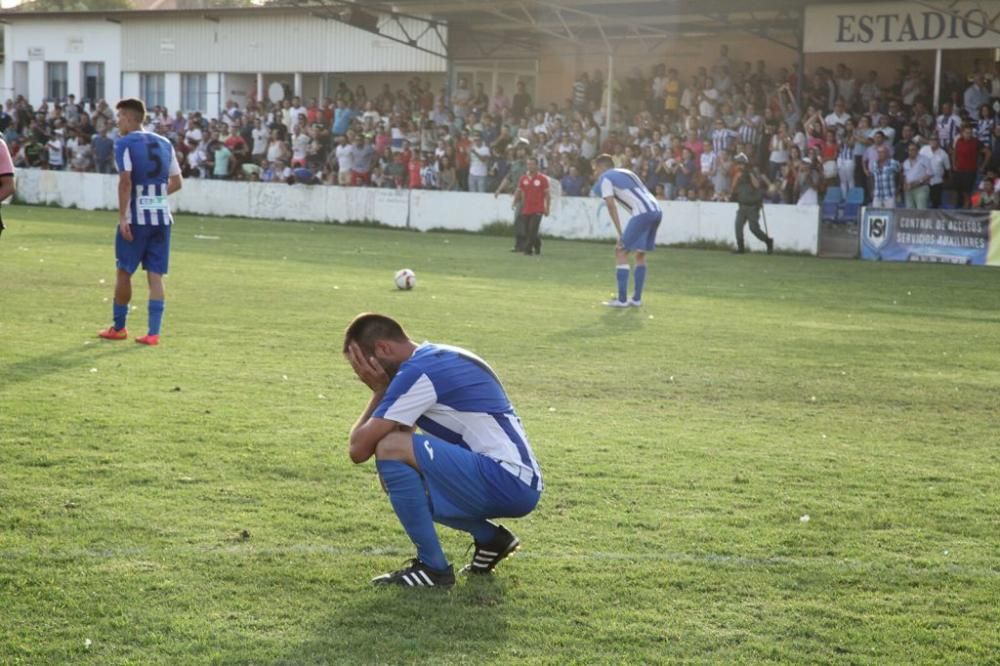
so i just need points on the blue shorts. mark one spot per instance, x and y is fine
(640, 232)
(150, 246)
(467, 485)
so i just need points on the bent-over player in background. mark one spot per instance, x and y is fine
(621, 186)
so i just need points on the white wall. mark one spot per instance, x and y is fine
(272, 40)
(62, 40)
(795, 228)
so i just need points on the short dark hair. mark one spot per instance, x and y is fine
(368, 328)
(133, 104)
(605, 160)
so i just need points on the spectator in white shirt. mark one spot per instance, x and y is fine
(838, 118)
(870, 90)
(976, 95)
(501, 102)
(940, 164)
(917, 174)
(260, 137)
(300, 143)
(343, 154)
(846, 85)
(479, 165)
(55, 146)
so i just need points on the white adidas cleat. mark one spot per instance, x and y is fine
(615, 303)
(634, 303)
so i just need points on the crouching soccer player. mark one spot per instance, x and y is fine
(639, 235)
(469, 462)
(147, 173)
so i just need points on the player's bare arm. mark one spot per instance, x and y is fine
(613, 212)
(6, 186)
(175, 183)
(368, 431)
(124, 196)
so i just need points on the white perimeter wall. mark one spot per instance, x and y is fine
(795, 228)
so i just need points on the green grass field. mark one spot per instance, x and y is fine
(193, 503)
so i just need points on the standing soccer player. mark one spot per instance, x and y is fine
(471, 461)
(639, 236)
(147, 173)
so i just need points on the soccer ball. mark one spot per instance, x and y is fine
(405, 279)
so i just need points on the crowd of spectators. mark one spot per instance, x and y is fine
(682, 137)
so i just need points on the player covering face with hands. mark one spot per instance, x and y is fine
(448, 446)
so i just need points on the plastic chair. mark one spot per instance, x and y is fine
(852, 206)
(830, 210)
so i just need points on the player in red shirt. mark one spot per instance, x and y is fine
(964, 157)
(533, 197)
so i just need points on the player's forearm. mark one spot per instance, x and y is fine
(124, 197)
(6, 187)
(174, 183)
(368, 411)
(360, 448)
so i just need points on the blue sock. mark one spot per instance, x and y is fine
(120, 313)
(409, 501)
(483, 531)
(622, 274)
(155, 316)
(640, 281)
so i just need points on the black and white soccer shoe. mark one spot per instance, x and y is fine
(417, 574)
(487, 556)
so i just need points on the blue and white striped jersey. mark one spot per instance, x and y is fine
(628, 190)
(452, 394)
(151, 160)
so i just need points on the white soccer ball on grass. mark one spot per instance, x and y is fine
(405, 279)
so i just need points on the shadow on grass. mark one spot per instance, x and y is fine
(48, 364)
(613, 322)
(405, 625)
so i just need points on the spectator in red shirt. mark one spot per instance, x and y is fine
(462, 147)
(533, 197)
(413, 167)
(964, 157)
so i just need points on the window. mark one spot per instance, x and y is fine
(194, 92)
(56, 81)
(151, 89)
(93, 82)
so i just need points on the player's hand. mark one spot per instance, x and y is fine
(125, 229)
(620, 245)
(367, 369)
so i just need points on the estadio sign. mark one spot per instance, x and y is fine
(901, 26)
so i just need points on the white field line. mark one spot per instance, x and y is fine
(706, 559)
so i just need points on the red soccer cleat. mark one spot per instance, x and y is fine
(151, 340)
(112, 333)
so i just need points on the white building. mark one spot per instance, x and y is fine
(196, 60)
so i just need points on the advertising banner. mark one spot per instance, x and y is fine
(901, 26)
(939, 236)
